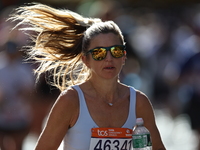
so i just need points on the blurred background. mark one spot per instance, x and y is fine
(163, 46)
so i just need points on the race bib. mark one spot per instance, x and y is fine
(111, 139)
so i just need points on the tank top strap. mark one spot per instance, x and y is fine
(80, 96)
(84, 112)
(131, 120)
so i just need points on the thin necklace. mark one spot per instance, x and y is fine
(109, 103)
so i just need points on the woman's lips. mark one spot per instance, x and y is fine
(110, 67)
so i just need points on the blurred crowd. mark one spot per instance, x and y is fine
(163, 47)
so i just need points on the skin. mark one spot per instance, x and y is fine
(101, 88)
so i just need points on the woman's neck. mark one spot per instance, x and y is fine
(107, 89)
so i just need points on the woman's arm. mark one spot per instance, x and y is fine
(62, 116)
(144, 110)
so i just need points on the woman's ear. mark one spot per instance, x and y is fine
(85, 61)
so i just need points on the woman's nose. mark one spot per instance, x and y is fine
(109, 56)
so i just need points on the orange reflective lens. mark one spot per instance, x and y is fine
(99, 53)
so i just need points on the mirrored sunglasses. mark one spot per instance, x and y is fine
(99, 53)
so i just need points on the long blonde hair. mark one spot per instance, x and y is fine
(60, 40)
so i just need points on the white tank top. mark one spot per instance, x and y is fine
(78, 137)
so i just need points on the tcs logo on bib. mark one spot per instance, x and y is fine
(102, 132)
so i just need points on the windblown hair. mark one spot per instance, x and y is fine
(61, 38)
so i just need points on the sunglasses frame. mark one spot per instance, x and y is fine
(108, 49)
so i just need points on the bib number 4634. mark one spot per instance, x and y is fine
(111, 144)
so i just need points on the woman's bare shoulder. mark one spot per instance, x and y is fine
(67, 99)
(141, 97)
(67, 104)
(69, 93)
(143, 104)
